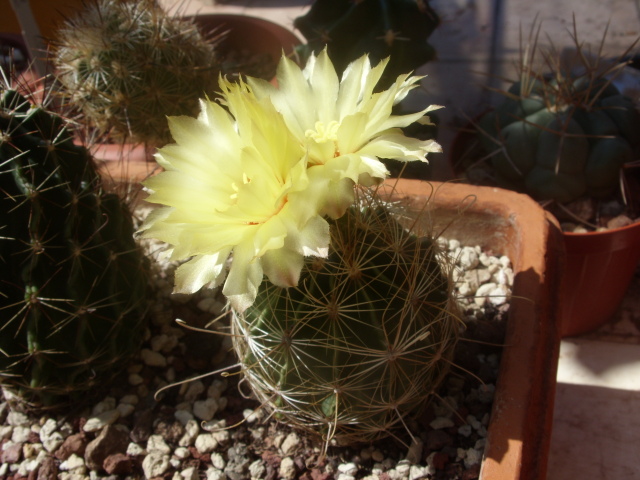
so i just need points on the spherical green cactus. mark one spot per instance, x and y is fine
(73, 283)
(364, 339)
(563, 138)
(127, 65)
(398, 29)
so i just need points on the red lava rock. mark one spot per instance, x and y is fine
(437, 439)
(12, 453)
(48, 469)
(318, 475)
(76, 443)
(111, 440)
(118, 464)
(440, 460)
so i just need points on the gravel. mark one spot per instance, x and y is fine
(210, 428)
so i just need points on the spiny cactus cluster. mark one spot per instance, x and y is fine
(72, 280)
(562, 134)
(398, 29)
(127, 65)
(364, 339)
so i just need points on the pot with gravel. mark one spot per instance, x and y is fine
(358, 323)
(566, 134)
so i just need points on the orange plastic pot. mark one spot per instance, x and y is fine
(598, 270)
(519, 430)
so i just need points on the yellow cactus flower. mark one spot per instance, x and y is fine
(235, 185)
(343, 125)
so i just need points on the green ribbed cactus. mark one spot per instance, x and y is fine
(398, 29)
(72, 281)
(564, 134)
(127, 65)
(364, 339)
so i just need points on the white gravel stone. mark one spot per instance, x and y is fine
(290, 443)
(156, 443)
(191, 430)
(16, 419)
(257, 470)
(439, 423)
(182, 453)
(377, 456)
(130, 398)
(100, 421)
(73, 463)
(135, 450)
(205, 409)
(20, 434)
(344, 476)
(193, 390)
(135, 379)
(251, 415)
(287, 468)
(414, 454)
(465, 430)
(31, 450)
(215, 474)
(190, 473)
(125, 409)
(468, 258)
(109, 403)
(5, 431)
(155, 464)
(499, 295)
(51, 442)
(472, 457)
(483, 293)
(183, 416)
(221, 436)
(419, 472)
(348, 468)
(205, 443)
(48, 427)
(152, 359)
(218, 461)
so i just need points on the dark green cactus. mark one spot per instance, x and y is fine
(363, 340)
(127, 65)
(398, 29)
(72, 281)
(563, 133)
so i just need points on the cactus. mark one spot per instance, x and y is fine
(562, 135)
(398, 29)
(127, 65)
(363, 340)
(72, 281)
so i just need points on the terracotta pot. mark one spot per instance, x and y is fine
(247, 33)
(511, 223)
(599, 269)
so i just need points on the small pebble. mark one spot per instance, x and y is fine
(152, 359)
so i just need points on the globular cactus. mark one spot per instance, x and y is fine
(363, 340)
(127, 65)
(72, 281)
(563, 134)
(398, 29)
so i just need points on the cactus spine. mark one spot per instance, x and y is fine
(564, 134)
(127, 65)
(363, 340)
(72, 281)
